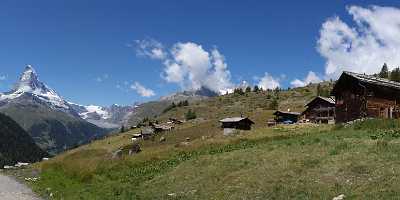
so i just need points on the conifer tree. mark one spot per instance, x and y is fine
(384, 72)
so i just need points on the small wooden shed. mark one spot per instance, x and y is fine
(286, 116)
(320, 110)
(242, 123)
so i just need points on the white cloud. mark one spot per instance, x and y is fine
(269, 82)
(363, 48)
(102, 78)
(190, 65)
(310, 78)
(141, 90)
(150, 48)
(3, 77)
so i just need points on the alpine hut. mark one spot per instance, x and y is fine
(320, 110)
(242, 123)
(360, 96)
(286, 117)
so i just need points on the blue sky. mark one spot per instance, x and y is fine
(84, 49)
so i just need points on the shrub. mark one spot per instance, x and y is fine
(190, 115)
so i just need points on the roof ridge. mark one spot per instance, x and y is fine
(371, 78)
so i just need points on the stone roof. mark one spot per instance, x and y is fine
(286, 112)
(374, 80)
(330, 100)
(234, 119)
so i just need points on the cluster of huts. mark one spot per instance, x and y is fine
(354, 96)
(154, 128)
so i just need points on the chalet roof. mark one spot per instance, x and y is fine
(285, 113)
(330, 100)
(234, 119)
(374, 80)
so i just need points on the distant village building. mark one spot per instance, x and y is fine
(286, 117)
(175, 121)
(147, 133)
(359, 96)
(158, 128)
(320, 110)
(242, 123)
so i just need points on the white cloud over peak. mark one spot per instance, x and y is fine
(269, 82)
(141, 90)
(190, 65)
(310, 78)
(364, 47)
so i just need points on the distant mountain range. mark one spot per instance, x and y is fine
(155, 108)
(16, 145)
(113, 116)
(56, 124)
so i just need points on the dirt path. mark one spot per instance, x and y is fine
(10, 189)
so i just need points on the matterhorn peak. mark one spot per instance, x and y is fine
(29, 81)
(29, 84)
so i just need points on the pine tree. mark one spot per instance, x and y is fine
(319, 90)
(384, 72)
(395, 75)
(274, 104)
(248, 89)
(122, 129)
(256, 88)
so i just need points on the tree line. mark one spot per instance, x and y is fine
(393, 75)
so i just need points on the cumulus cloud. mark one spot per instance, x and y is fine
(310, 78)
(269, 82)
(141, 90)
(364, 47)
(190, 65)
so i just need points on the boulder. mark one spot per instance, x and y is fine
(163, 139)
(135, 149)
(117, 154)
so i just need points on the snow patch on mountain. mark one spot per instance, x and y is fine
(102, 112)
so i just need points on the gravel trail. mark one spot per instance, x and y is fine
(10, 189)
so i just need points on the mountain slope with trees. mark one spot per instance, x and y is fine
(16, 145)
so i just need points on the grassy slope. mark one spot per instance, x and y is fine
(254, 105)
(292, 162)
(262, 162)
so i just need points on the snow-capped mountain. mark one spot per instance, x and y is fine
(107, 117)
(29, 84)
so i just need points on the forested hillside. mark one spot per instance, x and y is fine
(16, 144)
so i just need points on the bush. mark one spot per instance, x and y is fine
(274, 104)
(190, 115)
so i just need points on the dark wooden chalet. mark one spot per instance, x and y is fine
(286, 116)
(320, 110)
(236, 123)
(359, 96)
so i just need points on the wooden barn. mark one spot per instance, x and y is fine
(236, 123)
(286, 116)
(359, 96)
(320, 110)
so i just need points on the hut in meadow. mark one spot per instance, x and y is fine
(286, 117)
(242, 123)
(320, 110)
